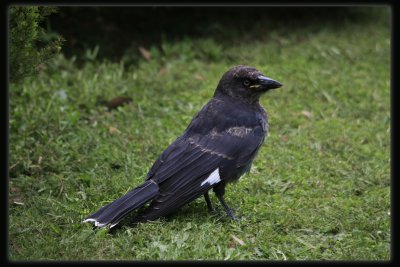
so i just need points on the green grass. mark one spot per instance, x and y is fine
(319, 187)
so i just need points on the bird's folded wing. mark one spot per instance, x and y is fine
(184, 161)
(190, 158)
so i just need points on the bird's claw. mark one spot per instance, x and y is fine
(212, 210)
(232, 215)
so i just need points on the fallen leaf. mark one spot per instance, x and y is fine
(238, 240)
(284, 138)
(15, 189)
(162, 71)
(198, 77)
(41, 67)
(16, 247)
(145, 53)
(307, 114)
(117, 102)
(15, 196)
(17, 200)
(113, 130)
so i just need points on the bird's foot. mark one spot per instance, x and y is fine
(211, 209)
(232, 216)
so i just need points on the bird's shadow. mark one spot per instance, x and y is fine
(196, 212)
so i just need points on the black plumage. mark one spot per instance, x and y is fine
(217, 147)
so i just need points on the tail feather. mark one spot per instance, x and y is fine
(114, 212)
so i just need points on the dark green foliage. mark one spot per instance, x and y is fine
(25, 53)
(120, 30)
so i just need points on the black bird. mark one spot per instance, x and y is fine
(216, 148)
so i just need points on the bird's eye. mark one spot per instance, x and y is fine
(246, 82)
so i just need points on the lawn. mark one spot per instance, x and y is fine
(319, 188)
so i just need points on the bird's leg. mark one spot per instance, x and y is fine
(209, 203)
(227, 209)
(219, 192)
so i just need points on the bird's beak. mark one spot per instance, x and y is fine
(267, 83)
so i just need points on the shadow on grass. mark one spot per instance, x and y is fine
(116, 29)
(195, 212)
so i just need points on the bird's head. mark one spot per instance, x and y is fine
(246, 83)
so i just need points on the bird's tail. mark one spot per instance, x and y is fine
(113, 213)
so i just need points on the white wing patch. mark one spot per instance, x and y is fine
(112, 225)
(96, 223)
(89, 220)
(213, 178)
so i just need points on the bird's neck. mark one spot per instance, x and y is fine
(219, 94)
